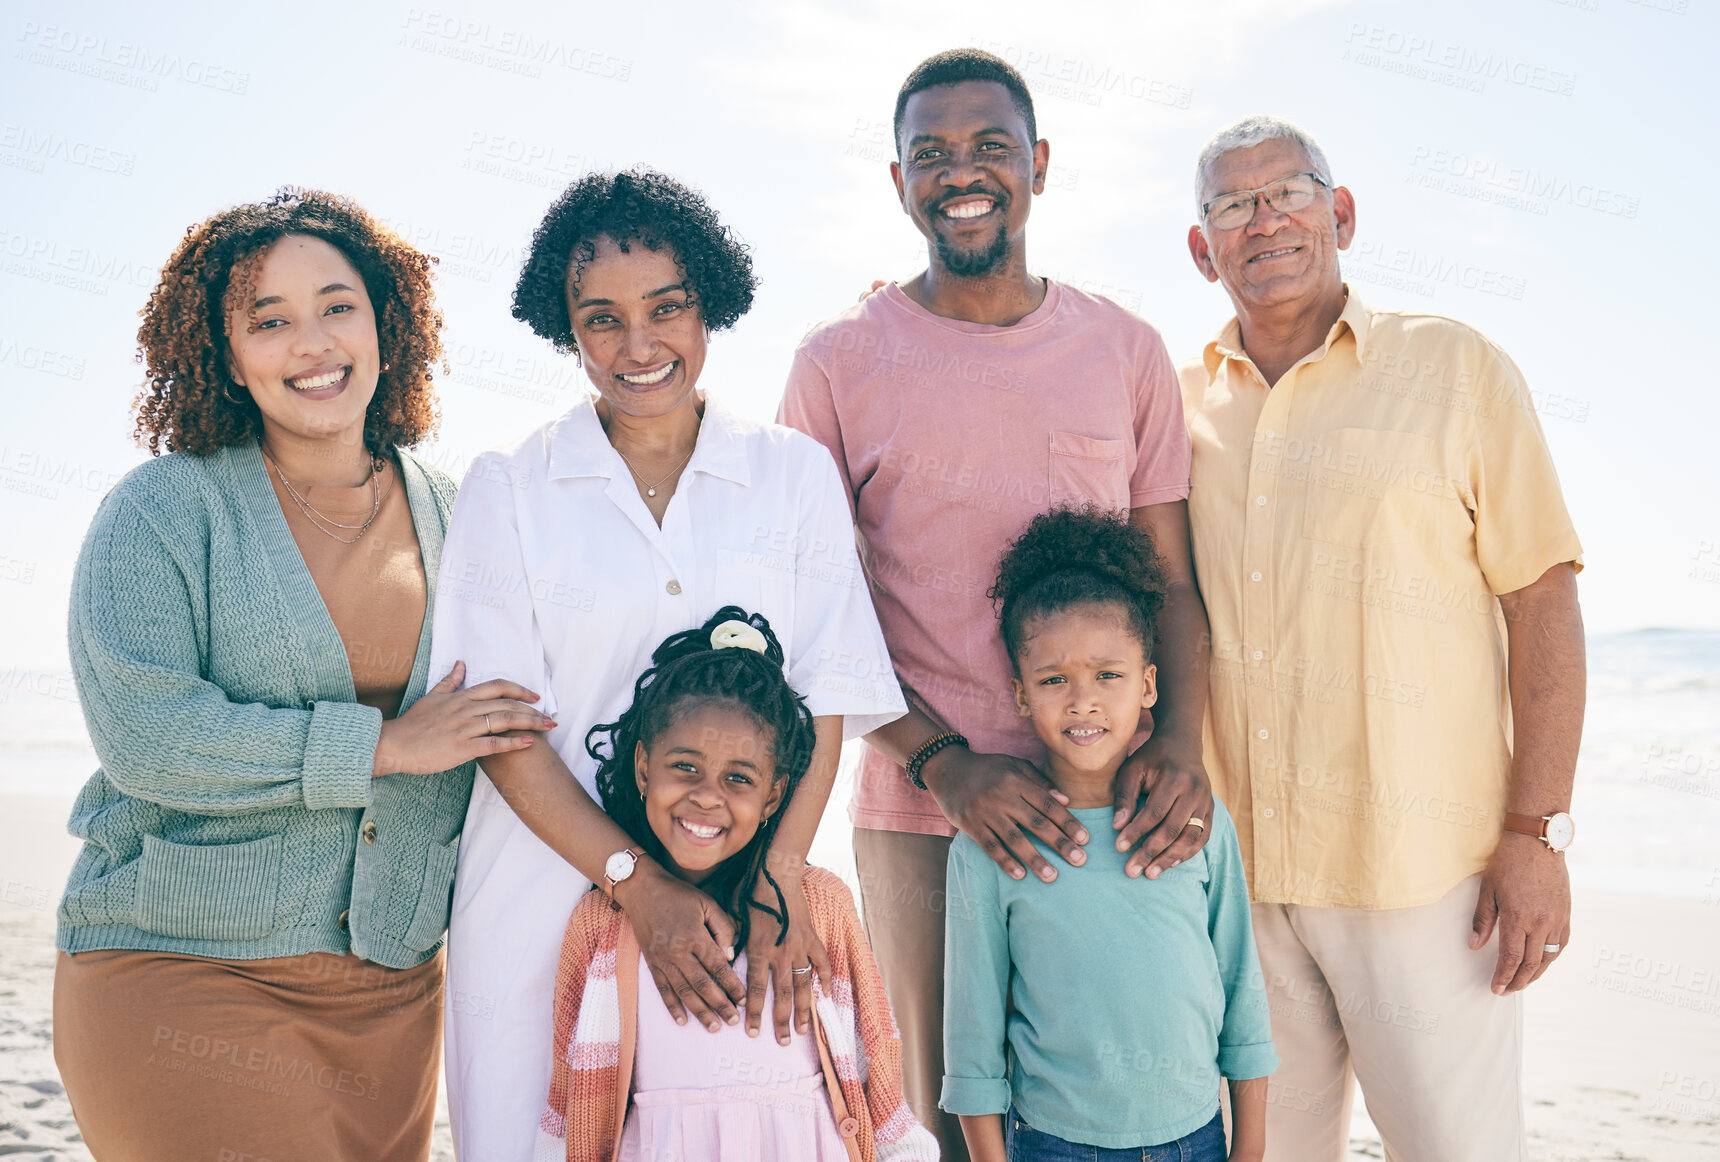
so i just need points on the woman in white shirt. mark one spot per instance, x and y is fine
(570, 554)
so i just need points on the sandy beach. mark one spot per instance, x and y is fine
(1623, 1036)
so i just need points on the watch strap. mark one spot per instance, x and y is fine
(1527, 824)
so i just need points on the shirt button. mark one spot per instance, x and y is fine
(849, 1128)
(1254, 576)
(1265, 734)
(1257, 656)
(342, 920)
(1261, 500)
(369, 831)
(673, 588)
(1266, 811)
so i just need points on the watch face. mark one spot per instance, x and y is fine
(619, 866)
(1560, 831)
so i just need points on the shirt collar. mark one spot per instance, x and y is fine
(579, 447)
(1356, 317)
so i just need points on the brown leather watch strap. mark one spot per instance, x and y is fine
(1528, 824)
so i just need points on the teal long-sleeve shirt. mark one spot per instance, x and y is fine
(1106, 1009)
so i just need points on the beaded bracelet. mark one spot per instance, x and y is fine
(926, 750)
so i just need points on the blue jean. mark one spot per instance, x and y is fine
(1026, 1144)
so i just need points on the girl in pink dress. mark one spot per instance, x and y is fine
(698, 771)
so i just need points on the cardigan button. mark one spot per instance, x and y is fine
(342, 920)
(673, 588)
(849, 1128)
(370, 831)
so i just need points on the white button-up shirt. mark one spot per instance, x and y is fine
(556, 576)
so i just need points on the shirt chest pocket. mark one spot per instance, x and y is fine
(1364, 487)
(758, 582)
(1085, 469)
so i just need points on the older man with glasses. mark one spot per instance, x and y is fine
(1397, 677)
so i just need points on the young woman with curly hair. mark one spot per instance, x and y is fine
(249, 941)
(638, 513)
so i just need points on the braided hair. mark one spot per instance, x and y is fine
(1079, 556)
(686, 669)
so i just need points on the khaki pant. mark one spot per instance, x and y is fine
(902, 877)
(1393, 998)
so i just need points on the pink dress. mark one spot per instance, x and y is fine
(701, 1096)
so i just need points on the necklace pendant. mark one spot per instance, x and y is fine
(650, 492)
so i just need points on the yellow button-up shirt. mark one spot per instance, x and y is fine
(1352, 527)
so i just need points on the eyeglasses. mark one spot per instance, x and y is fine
(1286, 195)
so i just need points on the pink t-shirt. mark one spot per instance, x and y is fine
(950, 436)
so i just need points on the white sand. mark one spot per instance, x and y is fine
(1623, 1057)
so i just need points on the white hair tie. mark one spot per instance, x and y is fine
(737, 634)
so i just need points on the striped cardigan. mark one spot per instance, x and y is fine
(596, 1007)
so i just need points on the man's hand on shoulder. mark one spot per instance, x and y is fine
(1173, 781)
(997, 801)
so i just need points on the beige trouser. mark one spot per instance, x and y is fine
(902, 878)
(1396, 999)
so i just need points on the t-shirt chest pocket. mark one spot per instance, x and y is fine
(1086, 469)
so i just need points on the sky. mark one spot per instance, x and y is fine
(1516, 164)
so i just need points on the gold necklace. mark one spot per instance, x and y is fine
(314, 514)
(650, 488)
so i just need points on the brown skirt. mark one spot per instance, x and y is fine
(170, 1058)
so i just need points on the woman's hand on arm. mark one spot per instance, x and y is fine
(449, 726)
(770, 966)
(684, 936)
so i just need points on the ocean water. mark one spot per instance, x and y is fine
(1647, 799)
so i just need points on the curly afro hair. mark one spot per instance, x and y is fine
(636, 205)
(188, 400)
(1079, 556)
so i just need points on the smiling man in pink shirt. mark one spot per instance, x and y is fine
(957, 406)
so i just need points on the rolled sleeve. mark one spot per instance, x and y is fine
(976, 985)
(1245, 1040)
(974, 1096)
(340, 755)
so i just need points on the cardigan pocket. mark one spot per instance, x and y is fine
(435, 897)
(216, 892)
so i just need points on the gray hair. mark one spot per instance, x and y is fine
(1249, 132)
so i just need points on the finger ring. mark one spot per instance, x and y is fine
(801, 971)
(487, 729)
(1196, 821)
(1550, 947)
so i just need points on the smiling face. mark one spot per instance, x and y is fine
(1084, 680)
(968, 173)
(642, 341)
(709, 782)
(1274, 261)
(304, 344)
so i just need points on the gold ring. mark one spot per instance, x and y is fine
(1196, 821)
(487, 728)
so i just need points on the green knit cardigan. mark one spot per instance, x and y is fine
(234, 815)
